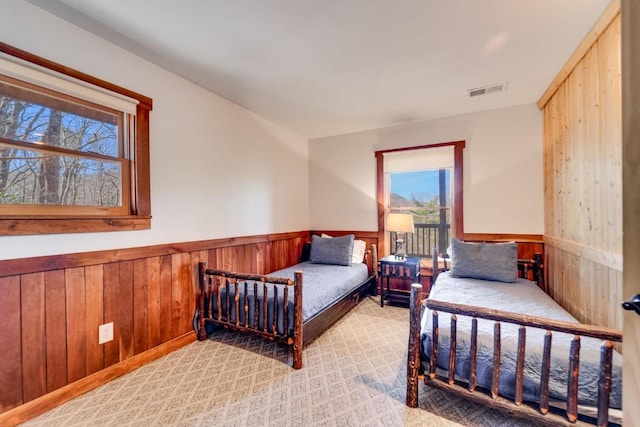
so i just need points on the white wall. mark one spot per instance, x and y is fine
(217, 170)
(503, 176)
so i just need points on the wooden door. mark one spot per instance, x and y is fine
(630, 14)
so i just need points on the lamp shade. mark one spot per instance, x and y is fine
(399, 222)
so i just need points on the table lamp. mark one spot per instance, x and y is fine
(400, 223)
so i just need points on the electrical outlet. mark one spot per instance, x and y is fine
(105, 333)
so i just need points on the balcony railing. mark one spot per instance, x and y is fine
(423, 239)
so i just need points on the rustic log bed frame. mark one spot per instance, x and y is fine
(212, 280)
(491, 398)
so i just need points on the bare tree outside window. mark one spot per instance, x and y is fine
(58, 151)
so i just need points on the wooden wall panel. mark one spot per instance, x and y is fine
(111, 349)
(94, 315)
(583, 184)
(76, 323)
(166, 303)
(10, 347)
(153, 302)
(52, 307)
(56, 329)
(140, 306)
(34, 347)
(176, 295)
(124, 323)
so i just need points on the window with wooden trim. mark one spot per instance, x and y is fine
(436, 201)
(74, 150)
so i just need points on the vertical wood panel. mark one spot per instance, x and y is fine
(10, 348)
(125, 309)
(110, 288)
(56, 329)
(166, 298)
(610, 95)
(153, 302)
(34, 348)
(176, 295)
(140, 306)
(94, 310)
(583, 187)
(76, 323)
(188, 301)
(212, 258)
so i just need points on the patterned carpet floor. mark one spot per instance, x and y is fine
(353, 375)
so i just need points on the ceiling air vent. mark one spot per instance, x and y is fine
(487, 89)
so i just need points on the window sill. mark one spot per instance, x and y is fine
(13, 226)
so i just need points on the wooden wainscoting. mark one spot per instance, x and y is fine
(583, 177)
(52, 306)
(586, 281)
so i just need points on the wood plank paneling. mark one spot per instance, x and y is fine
(188, 301)
(94, 315)
(110, 288)
(56, 329)
(153, 302)
(166, 299)
(125, 310)
(10, 348)
(176, 295)
(583, 183)
(76, 323)
(140, 306)
(34, 347)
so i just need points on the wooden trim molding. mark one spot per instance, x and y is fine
(599, 256)
(55, 262)
(59, 68)
(49, 401)
(589, 40)
(47, 225)
(484, 237)
(139, 217)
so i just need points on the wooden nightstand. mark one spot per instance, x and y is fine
(405, 271)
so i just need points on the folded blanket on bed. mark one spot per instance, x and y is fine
(524, 297)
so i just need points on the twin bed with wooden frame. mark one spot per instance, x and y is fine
(340, 271)
(486, 341)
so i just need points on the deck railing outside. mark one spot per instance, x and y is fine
(423, 239)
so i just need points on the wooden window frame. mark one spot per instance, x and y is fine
(458, 210)
(139, 182)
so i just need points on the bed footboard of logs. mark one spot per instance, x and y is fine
(539, 412)
(251, 303)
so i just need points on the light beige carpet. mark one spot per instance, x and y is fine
(353, 375)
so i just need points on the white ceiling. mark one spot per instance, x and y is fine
(327, 67)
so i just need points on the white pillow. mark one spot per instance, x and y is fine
(359, 248)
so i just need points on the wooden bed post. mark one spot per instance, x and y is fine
(202, 283)
(297, 321)
(435, 268)
(374, 261)
(538, 271)
(413, 355)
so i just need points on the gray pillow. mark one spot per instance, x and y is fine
(487, 261)
(335, 251)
